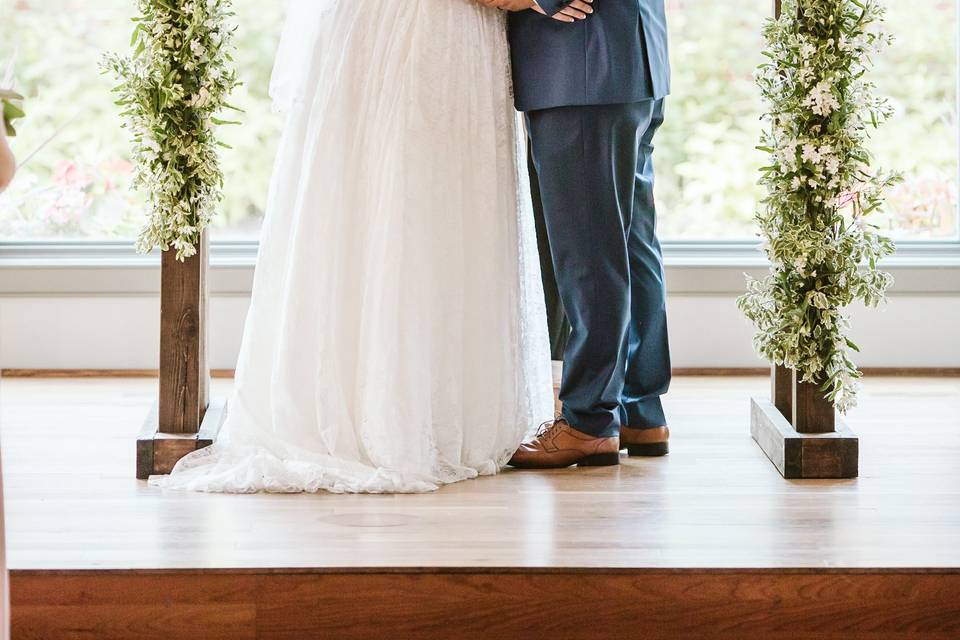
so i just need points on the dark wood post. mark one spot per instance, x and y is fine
(184, 377)
(184, 418)
(811, 411)
(781, 379)
(798, 428)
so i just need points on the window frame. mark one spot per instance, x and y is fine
(80, 269)
(121, 253)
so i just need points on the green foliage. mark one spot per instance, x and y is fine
(820, 189)
(705, 156)
(11, 108)
(171, 89)
(78, 186)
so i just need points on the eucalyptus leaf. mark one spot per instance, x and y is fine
(11, 106)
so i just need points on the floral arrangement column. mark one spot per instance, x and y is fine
(172, 86)
(821, 191)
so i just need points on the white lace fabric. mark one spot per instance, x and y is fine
(396, 339)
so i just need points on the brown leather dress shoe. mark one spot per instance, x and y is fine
(559, 445)
(650, 442)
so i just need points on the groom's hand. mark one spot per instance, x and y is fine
(576, 10)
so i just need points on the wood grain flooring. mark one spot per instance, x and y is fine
(716, 501)
(709, 542)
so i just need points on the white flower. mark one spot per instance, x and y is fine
(201, 99)
(810, 154)
(821, 99)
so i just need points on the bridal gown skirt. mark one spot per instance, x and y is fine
(396, 339)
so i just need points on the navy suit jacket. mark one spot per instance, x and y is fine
(617, 55)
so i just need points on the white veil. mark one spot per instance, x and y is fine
(304, 34)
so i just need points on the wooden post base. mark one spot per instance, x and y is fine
(803, 455)
(158, 453)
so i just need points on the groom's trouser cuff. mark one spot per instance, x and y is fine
(644, 414)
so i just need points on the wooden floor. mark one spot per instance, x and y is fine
(707, 525)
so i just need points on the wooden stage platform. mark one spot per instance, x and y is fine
(709, 542)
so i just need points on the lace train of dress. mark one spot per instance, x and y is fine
(396, 339)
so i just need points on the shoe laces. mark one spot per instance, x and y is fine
(550, 425)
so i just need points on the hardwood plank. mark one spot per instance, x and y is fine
(79, 373)
(742, 372)
(912, 372)
(141, 622)
(716, 501)
(727, 605)
(105, 607)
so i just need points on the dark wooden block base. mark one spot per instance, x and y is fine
(158, 453)
(803, 455)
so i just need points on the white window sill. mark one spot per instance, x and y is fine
(694, 268)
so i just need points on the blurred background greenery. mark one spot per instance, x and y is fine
(77, 187)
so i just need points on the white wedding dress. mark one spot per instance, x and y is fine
(396, 340)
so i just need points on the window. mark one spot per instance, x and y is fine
(705, 155)
(919, 74)
(77, 186)
(706, 161)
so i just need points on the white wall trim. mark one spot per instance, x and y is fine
(226, 280)
(706, 331)
(83, 308)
